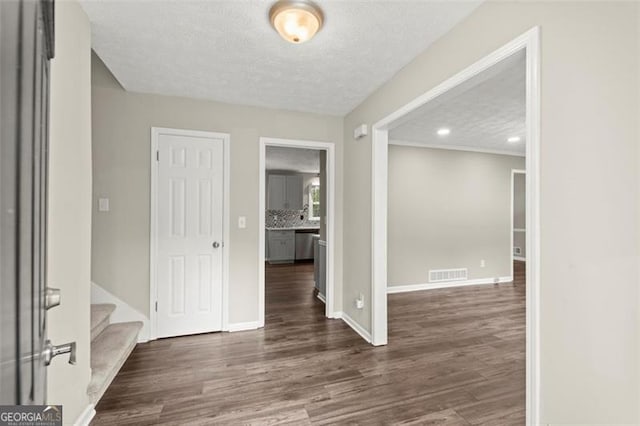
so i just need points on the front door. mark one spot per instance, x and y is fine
(189, 233)
(26, 46)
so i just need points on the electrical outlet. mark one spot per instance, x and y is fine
(482, 264)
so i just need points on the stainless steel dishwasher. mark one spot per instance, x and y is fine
(304, 243)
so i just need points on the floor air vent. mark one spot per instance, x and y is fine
(441, 275)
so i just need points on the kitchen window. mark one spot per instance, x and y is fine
(314, 202)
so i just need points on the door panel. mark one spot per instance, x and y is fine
(190, 221)
(25, 204)
(26, 40)
(9, 76)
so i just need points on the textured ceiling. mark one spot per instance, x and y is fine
(226, 50)
(293, 159)
(481, 113)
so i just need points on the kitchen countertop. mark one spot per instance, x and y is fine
(295, 228)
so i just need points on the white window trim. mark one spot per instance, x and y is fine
(311, 203)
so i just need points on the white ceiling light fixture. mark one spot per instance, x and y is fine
(514, 139)
(296, 21)
(444, 131)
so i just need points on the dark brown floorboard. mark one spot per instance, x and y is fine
(455, 357)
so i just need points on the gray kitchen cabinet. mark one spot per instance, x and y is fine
(276, 192)
(304, 243)
(284, 192)
(294, 193)
(281, 246)
(320, 265)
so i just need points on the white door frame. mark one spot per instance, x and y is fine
(514, 172)
(153, 230)
(530, 42)
(330, 217)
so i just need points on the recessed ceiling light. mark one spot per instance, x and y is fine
(296, 20)
(444, 131)
(514, 139)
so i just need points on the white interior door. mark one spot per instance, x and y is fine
(190, 230)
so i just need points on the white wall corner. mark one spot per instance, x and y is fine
(86, 416)
(123, 312)
(354, 325)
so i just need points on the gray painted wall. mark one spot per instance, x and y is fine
(448, 209)
(520, 212)
(122, 124)
(69, 221)
(589, 169)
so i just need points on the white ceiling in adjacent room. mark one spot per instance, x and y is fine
(293, 159)
(481, 114)
(227, 51)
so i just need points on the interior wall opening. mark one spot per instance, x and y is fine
(296, 258)
(295, 235)
(443, 233)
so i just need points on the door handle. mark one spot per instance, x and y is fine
(216, 244)
(51, 351)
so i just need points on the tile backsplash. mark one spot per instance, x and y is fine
(289, 218)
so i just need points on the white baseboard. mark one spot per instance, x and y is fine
(244, 326)
(85, 417)
(321, 297)
(432, 286)
(123, 313)
(520, 258)
(354, 325)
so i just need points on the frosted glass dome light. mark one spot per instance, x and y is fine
(296, 21)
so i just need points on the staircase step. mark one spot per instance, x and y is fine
(109, 351)
(100, 314)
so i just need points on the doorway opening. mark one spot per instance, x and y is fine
(527, 46)
(296, 210)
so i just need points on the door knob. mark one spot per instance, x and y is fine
(51, 297)
(216, 244)
(51, 351)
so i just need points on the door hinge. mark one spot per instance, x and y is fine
(157, 155)
(156, 306)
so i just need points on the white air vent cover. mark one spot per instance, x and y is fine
(440, 275)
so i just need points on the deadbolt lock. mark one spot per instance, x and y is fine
(51, 297)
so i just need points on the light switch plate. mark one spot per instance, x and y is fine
(103, 204)
(360, 301)
(242, 222)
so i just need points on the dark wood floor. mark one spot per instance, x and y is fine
(455, 357)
